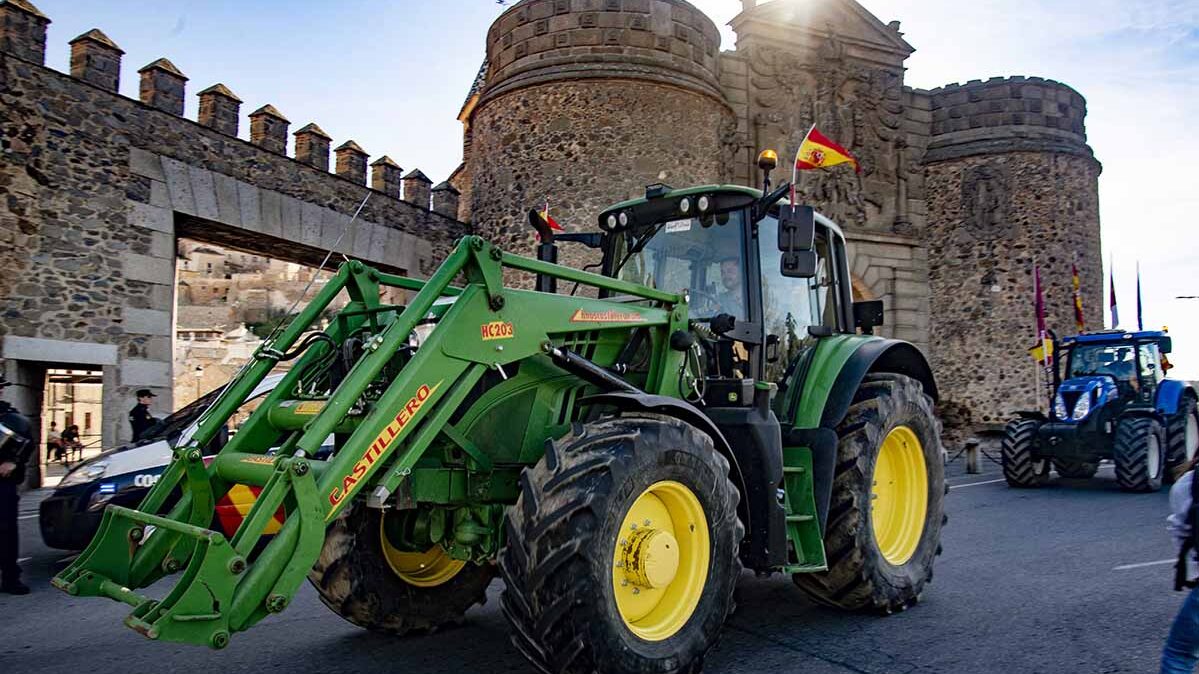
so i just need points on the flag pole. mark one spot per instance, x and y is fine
(1036, 320)
(795, 163)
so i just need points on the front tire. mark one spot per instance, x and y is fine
(1020, 468)
(1139, 454)
(621, 551)
(366, 581)
(1182, 435)
(887, 509)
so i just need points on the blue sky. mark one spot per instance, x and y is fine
(392, 76)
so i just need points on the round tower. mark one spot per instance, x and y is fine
(584, 103)
(1011, 183)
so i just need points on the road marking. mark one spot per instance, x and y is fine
(1141, 565)
(974, 484)
(27, 517)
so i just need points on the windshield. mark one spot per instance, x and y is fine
(704, 256)
(176, 423)
(1114, 360)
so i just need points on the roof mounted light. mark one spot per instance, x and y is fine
(623, 218)
(656, 190)
(704, 203)
(768, 160)
(609, 223)
(685, 205)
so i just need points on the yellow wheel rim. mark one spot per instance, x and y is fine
(900, 495)
(660, 560)
(430, 568)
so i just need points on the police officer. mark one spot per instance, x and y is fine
(16, 445)
(139, 417)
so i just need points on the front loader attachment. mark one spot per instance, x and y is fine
(385, 401)
(215, 595)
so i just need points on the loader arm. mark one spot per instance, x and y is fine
(390, 407)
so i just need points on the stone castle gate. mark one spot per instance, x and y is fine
(96, 188)
(588, 101)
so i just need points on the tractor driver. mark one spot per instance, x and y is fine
(731, 298)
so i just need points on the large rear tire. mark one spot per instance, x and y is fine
(1020, 468)
(363, 579)
(1075, 470)
(621, 551)
(1139, 454)
(1182, 435)
(887, 509)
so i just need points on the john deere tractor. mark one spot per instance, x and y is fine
(618, 458)
(1113, 403)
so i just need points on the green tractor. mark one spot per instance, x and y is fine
(618, 459)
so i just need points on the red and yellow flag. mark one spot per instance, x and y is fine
(817, 151)
(545, 215)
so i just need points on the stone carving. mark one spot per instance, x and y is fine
(985, 203)
(857, 104)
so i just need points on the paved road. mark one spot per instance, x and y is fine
(1031, 581)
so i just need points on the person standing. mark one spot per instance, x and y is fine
(139, 417)
(53, 444)
(16, 445)
(1181, 652)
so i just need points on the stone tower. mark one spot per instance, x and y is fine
(584, 103)
(1011, 183)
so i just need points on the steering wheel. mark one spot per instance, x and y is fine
(708, 299)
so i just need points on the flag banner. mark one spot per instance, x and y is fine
(817, 151)
(1044, 349)
(549, 220)
(1038, 352)
(1140, 307)
(1079, 321)
(1112, 294)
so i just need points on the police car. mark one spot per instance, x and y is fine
(71, 515)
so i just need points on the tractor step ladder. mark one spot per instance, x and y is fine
(803, 529)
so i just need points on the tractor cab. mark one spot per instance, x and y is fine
(1110, 370)
(763, 280)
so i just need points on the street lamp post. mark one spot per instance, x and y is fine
(199, 375)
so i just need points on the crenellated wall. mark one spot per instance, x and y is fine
(1011, 184)
(584, 103)
(97, 187)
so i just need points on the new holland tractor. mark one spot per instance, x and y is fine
(1113, 403)
(617, 459)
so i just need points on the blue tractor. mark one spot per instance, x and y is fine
(1112, 402)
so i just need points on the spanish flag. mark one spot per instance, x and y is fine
(545, 216)
(818, 152)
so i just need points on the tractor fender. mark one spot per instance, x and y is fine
(1170, 394)
(877, 355)
(637, 401)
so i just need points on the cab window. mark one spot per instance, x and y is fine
(1151, 363)
(704, 256)
(791, 305)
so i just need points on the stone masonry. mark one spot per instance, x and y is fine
(584, 102)
(579, 102)
(95, 188)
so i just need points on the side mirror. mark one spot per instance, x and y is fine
(1165, 344)
(801, 264)
(797, 228)
(867, 315)
(797, 238)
